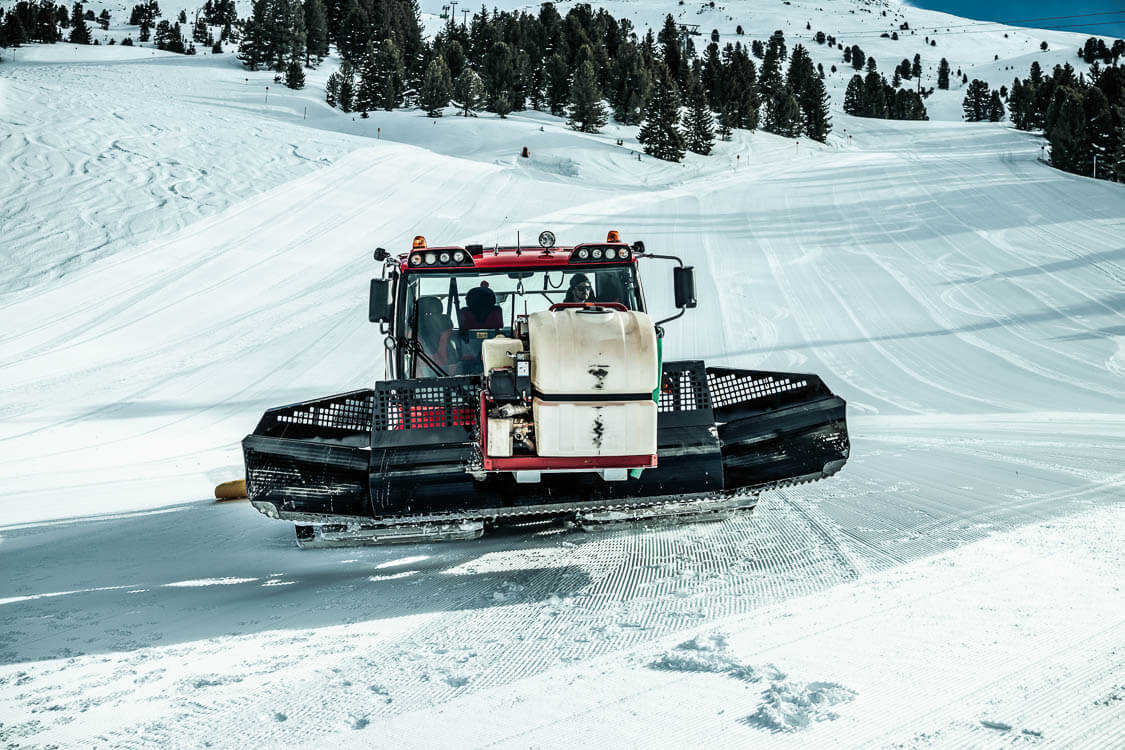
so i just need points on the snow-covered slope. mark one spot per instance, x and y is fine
(181, 253)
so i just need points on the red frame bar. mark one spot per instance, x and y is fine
(555, 463)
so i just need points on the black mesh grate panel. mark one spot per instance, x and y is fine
(683, 387)
(347, 413)
(729, 388)
(427, 404)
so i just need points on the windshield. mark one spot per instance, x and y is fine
(451, 314)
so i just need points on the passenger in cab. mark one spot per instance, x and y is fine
(481, 310)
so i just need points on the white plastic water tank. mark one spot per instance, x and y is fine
(593, 352)
(594, 428)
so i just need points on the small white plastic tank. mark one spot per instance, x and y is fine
(495, 351)
(593, 352)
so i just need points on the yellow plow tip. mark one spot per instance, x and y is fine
(233, 490)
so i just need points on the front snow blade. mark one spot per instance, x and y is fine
(776, 428)
(311, 457)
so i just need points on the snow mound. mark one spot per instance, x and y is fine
(792, 706)
(700, 654)
(709, 654)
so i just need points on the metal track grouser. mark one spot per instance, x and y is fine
(528, 383)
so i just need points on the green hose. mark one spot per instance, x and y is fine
(636, 473)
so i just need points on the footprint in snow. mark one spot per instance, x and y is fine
(793, 706)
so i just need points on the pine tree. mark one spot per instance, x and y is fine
(817, 121)
(1019, 104)
(253, 50)
(741, 88)
(727, 118)
(390, 73)
(698, 124)
(712, 77)
(1067, 134)
(502, 105)
(943, 74)
(916, 67)
(630, 85)
(1119, 148)
(79, 31)
(332, 90)
(175, 40)
(288, 22)
(995, 107)
(295, 73)
(853, 97)
(587, 113)
(469, 90)
(1099, 130)
(455, 59)
(346, 98)
(783, 114)
(354, 33)
(858, 58)
(659, 133)
(801, 72)
(437, 87)
(500, 77)
(368, 91)
(558, 84)
(874, 96)
(13, 30)
(671, 51)
(316, 32)
(975, 103)
(769, 81)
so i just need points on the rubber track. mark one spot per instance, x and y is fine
(532, 511)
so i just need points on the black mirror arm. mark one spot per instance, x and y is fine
(677, 315)
(679, 262)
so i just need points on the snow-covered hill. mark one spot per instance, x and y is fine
(182, 251)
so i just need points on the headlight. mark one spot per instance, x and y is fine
(596, 254)
(623, 253)
(583, 254)
(458, 256)
(415, 260)
(444, 257)
(430, 259)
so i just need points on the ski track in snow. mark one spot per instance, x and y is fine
(956, 585)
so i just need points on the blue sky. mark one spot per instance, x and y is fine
(1018, 13)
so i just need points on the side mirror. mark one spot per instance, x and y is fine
(683, 279)
(380, 310)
